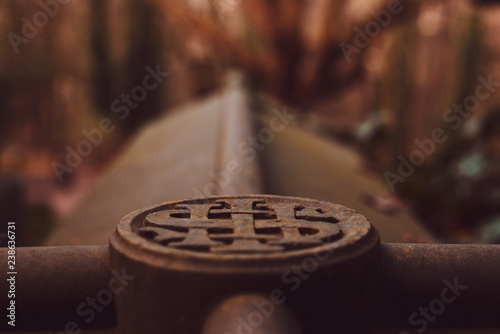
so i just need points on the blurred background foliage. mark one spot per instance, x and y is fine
(396, 90)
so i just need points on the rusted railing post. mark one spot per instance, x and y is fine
(240, 262)
(318, 258)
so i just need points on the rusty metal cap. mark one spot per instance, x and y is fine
(238, 233)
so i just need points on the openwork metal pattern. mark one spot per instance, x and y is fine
(188, 255)
(241, 225)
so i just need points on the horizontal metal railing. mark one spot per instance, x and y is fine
(53, 283)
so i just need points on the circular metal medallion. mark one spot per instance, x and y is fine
(236, 229)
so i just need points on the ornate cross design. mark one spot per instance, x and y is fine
(241, 225)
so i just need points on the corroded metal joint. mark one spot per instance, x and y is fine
(253, 264)
(313, 261)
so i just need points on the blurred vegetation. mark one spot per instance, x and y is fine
(395, 90)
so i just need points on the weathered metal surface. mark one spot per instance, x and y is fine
(251, 313)
(221, 264)
(52, 281)
(205, 160)
(189, 255)
(411, 276)
(300, 163)
(240, 226)
(218, 152)
(235, 171)
(414, 275)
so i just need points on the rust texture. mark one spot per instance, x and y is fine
(413, 275)
(251, 313)
(241, 225)
(196, 266)
(188, 256)
(52, 281)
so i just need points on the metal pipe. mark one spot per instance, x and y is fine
(236, 173)
(51, 282)
(251, 313)
(458, 284)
